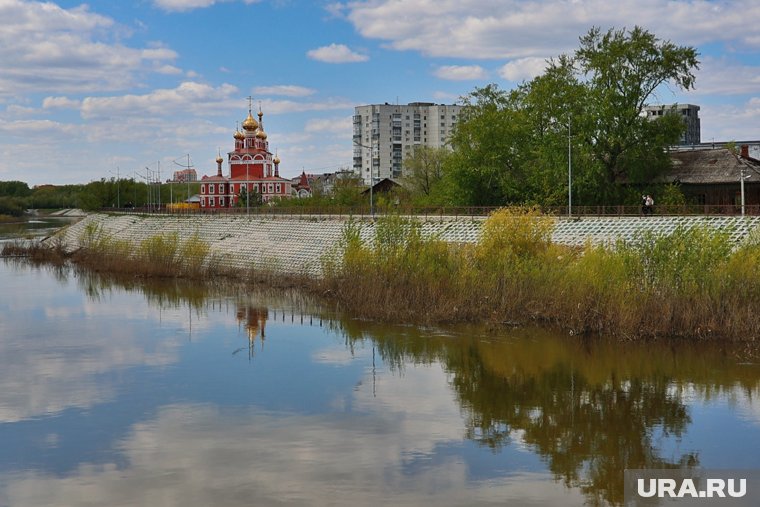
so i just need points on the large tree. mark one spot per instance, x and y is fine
(623, 71)
(513, 146)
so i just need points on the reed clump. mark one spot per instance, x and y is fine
(693, 282)
(164, 255)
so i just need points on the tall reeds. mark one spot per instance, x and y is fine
(688, 283)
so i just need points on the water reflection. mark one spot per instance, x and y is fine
(133, 392)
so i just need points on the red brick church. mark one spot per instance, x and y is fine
(253, 168)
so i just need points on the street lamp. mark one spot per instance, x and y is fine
(569, 172)
(371, 172)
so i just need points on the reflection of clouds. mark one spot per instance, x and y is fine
(41, 375)
(338, 355)
(58, 347)
(200, 455)
(747, 404)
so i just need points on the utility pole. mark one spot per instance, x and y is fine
(569, 172)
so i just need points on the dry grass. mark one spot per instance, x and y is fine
(689, 283)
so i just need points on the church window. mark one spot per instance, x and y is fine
(203, 188)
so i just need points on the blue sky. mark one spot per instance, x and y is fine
(89, 90)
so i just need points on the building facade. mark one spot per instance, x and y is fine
(254, 170)
(385, 134)
(184, 176)
(690, 115)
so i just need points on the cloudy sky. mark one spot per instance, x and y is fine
(89, 91)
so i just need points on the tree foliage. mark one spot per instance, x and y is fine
(512, 146)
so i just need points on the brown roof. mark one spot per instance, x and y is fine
(709, 167)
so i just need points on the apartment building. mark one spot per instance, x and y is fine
(690, 115)
(385, 134)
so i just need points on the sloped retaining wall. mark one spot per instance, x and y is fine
(297, 244)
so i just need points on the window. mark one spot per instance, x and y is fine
(211, 188)
(203, 188)
(256, 187)
(203, 202)
(212, 202)
(278, 188)
(271, 188)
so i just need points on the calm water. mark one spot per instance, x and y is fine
(162, 394)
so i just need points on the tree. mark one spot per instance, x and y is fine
(424, 169)
(513, 147)
(623, 70)
(245, 200)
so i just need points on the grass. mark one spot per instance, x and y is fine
(691, 283)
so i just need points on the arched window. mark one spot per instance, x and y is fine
(203, 188)
(212, 189)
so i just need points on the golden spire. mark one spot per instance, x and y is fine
(249, 123)
(260, 133)
(238, 134)
(219, 158)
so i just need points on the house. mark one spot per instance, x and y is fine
(712, 176)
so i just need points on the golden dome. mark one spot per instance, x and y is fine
(261, 134)
(238, 135)
(219, 159)
(249, 123)
(276, 159)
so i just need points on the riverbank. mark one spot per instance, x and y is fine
(694, 282)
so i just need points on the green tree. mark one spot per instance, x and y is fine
(623, 69)
(512, 147)
(424, 172)
(252, 200)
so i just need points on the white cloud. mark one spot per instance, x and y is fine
(291, 106)
(523, 69)
(497, 29)
(447, 97)
(725, 77)
(189, 5)
(168, 70)
(189, 97)
(60, 103)
(44, 47)
(726, 122)
(336, 53)
(342, 126)
(461, 72)
(285, 90)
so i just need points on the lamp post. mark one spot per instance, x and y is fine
(569, 172)
(371, 173)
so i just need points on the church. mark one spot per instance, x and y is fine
(253, 170)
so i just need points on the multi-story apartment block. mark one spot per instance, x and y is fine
(690, 115)
(385, 134)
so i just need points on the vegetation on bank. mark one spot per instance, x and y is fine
(691, 283)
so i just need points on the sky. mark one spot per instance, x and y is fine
(110, 88)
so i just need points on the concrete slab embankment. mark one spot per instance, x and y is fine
(297, 245)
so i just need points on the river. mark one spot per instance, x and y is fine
(127, 392)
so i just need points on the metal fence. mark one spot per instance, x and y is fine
(451, 211)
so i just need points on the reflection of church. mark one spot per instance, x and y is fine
(254, 319)
(253, 169)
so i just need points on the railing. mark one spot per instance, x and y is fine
(453, 211)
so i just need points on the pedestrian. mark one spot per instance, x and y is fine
(649, 204)
(643, 205)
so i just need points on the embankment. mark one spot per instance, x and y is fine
(297, 244)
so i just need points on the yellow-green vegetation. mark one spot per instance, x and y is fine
(689, 283)
(161, 255)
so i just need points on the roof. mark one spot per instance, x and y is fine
(709, 167)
